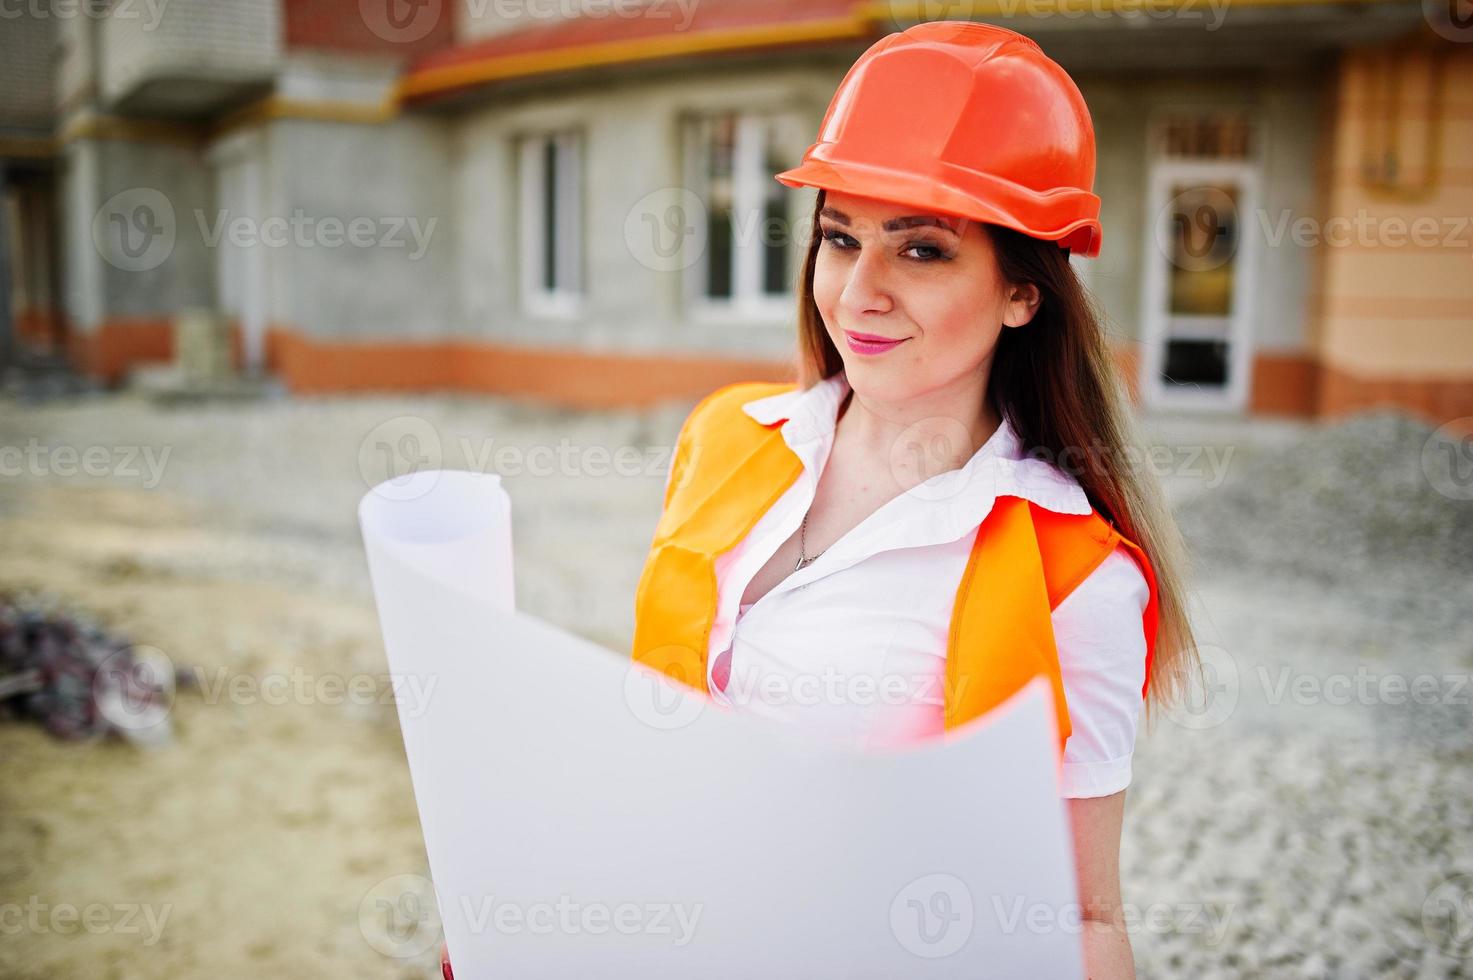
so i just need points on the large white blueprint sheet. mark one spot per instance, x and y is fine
(586, 817)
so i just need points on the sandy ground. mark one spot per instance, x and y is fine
(1275, 829)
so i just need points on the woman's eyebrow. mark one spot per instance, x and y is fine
(898, 224)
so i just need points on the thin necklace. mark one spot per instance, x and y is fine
(803, 528)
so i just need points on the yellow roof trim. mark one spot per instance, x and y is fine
(276, 107)
(616, 52)
(908, 10)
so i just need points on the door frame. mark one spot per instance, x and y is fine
(1246, 174)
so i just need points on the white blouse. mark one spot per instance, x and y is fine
(853, 646)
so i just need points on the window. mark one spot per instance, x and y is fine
(747, 266)
(551, 224)
(1203, 180)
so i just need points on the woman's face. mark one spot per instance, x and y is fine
(927, 280)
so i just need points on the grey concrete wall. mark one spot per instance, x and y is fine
(191, 38)
(152, 189)
(390, 283)
(632, 147)
(27, 51)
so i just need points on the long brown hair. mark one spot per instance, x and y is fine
(1056, 383)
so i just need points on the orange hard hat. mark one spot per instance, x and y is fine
(965, 119)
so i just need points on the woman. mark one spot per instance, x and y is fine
(947, 503)
(957, 420)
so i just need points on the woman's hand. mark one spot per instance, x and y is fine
(445, 961)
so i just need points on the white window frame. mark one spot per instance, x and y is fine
(749, 304)
(1156, 283)
(566, 299)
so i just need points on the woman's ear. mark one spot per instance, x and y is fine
(1023, 302)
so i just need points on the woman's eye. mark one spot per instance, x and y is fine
(832, 238)
(934, 252)
(928, 251)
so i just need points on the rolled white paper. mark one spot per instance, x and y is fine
(586, 816)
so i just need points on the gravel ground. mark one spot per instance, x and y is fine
(1309, 813)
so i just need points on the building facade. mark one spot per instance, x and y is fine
(578, 206)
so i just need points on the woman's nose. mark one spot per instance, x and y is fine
(868, 288)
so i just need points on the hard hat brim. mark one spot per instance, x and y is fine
(1081, 236)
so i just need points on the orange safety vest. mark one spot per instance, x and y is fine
(729, 469)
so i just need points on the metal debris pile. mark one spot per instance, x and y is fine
(77, 680)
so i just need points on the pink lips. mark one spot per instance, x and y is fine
(868, 343)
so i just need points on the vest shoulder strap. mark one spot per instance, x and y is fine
(1072, 545)
(708, 429)
(720, 405)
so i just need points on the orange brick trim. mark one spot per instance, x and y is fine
(1435, 400)
(571, 378)
(1283, 383)
(118, 344)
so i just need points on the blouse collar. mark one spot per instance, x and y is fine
(1000, 466)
